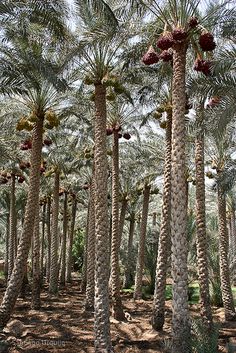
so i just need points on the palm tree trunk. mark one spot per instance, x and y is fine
(48, 224)
(233, 244)
(71, 239)
(89, 300)
(117, 309)
(164, 246)
(17, 275)
(43, 242)
(123, 210)
(63, 244)
(180, 318)
(128, 278)
(13, 225)
(141, 246)
(227, 295)
(101, 302)
(6, 266)
(53, 281)
(84, 268)
(203, 275)
(35, 302)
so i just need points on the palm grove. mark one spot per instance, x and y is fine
(128, 114)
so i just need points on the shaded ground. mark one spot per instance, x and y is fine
(61, 326)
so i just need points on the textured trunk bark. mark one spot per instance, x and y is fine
(180, 317)
(43, 242)
(35, 301)
(89, 300)
(141, 246)
(84, 268)
(164, 246)
(203, 275)
(63, 244)
(71, 239)
(227, 295)
(48, 225)
(6, 266)
(128, 273)
(13, 225)
(17, 275)
(123, 210)
(233, 244)
(53, 282)
(117, 309)
(101, 302)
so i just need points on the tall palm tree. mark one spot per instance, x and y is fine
(117, 309)
(71, 238)
(54, 270)
(13, 226)
(63, 245)
(16, 279)
(141, 248)
(99, 47)
(203, 275)
(89, 301)
(35, 301)
(176, 22)
(164, 237)
(37, 98)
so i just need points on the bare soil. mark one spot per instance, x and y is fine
(62, 326)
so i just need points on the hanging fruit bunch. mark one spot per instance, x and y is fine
(206, 41)
(47, 142)
(127, 136)
(150, 57)
(170, 37)
(163, 124)
(203, 66)
(165, 41)
(116, 127)
(166, 55)
(20, 179)
(26, 145)
(51, 119)
(24, 165)
(3, 178)
(88, 153)
(24, 124)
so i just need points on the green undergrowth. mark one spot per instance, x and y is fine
(193, 292)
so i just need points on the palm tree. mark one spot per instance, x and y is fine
(48, 224)
(89, 301)
(42, 250)
(13, 226)
(63, 245)
(54, 270)
(37, 98)
(99, 47)
(71, 237)
(203, 275)
(35, 301)
(128, 271)
(164, 237)
(175, 23)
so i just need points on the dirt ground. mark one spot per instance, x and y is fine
(61, 326)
